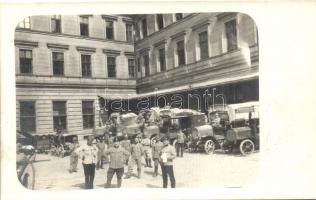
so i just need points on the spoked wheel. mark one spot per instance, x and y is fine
(209, 146)
(246, 147)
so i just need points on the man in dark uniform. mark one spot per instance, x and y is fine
(101, 149)
(168, 154)
(117, 156)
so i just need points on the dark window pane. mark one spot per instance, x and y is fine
(109, 30)
(25, 61)
(87, 114)
(86, 65)
(144, 27)
(84, 26)
(111, 67)
(179, 16)
(146, 65)
(131, 68)
(58, 63)
(139, 69)
(231, 35)
(56, 25)
(162, 59)
(181, 53)
(160, 21)
(203, 45)
(27, 116)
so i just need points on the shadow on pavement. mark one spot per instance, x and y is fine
(152, 186)
(79, 185)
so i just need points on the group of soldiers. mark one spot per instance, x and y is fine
(123, 153)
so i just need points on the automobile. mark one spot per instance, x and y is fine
(238, 128)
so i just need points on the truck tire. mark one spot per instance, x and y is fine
(246, 147)
(209, 146)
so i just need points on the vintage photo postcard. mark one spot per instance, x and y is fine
(164, 103)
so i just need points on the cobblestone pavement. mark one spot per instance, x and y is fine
(194, 170)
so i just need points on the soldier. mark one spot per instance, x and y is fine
(180, 143)
(126, 144)
(147, 150)
(73, 155)
(156, 150)
(88, 154)
(136, 157)
(117, 155)
(168, 154)
(101, 149)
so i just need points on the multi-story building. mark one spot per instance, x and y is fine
(63, 63)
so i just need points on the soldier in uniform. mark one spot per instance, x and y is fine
(73, 155)
(136, 158)
(117, 156)
(147, 150)
(156, 150)
(168, 154)
(180, 143)
(126, 144)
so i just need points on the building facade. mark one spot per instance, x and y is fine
(65, 63)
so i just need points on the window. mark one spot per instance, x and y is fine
(84, 26)
(109, 30)
(131, 68)
(203, 42)
(58, 63)
(160, 21)
(111, 67)
(87, 114)
(56, 23)
(181, 53)
(231, 35)
(144, 27)
(25, 23)
(146, 65)
(179, 16)
(162, 60)
(26, 61)
(27, 116)
(60, 115)
(129, 33)
(86, 65)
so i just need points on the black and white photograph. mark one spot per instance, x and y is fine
(157, 100)
(108, 101)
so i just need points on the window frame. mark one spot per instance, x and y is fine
(183, 49)
(144, 27)
(63, 63)
(176, 18)
(23, 22)
(30, 62)
(146, 65)
(204, 42)
(88, 114)
(229, 47)
(109, 28)
(162, 60)
(108, 57)
(33, 116)
(129, 38)
(56, 18)
(60, 115)
(82, 23)
(133, 66)
(159, 21)
(82, 65)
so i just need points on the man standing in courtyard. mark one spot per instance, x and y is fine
(156, 150)
(147, 150)
(136, 158)
(126, 144)
(180, 143)
(88, 154)
(117, 157)
(168, 154)
(73, 155)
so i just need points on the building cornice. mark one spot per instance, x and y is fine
(202, 24)
(178, 35)
(57, 46)
(111, 52)
(109, 17)
(160, 43)
(226, 15)
(25, 43)
(129, 53)
(72, 36)
(86, 49)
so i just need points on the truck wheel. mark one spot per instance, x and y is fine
(209, 146)
(246, 147)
